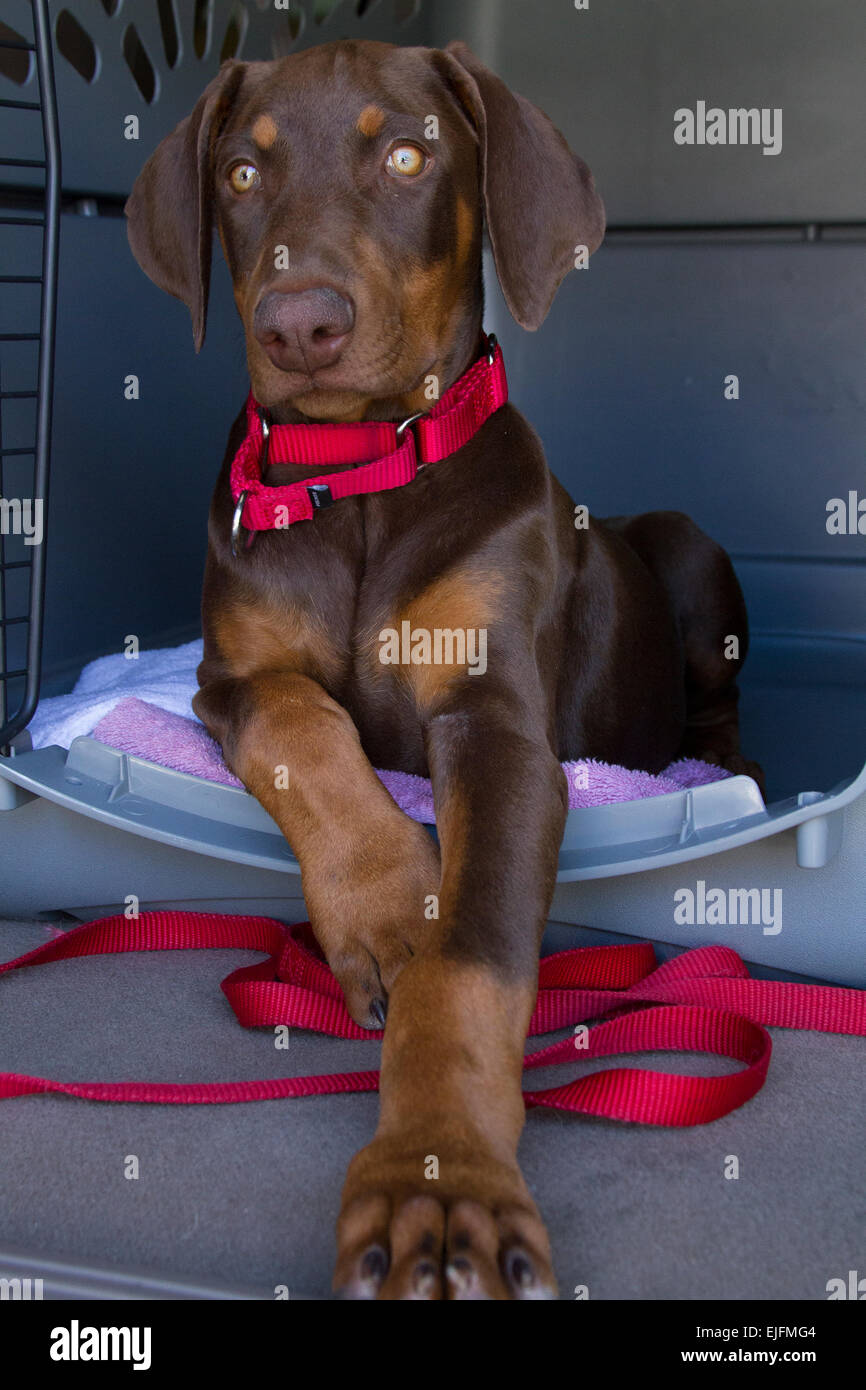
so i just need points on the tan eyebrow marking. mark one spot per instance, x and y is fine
(370, 121)
(265, 132)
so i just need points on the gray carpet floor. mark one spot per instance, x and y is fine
(247, 1195)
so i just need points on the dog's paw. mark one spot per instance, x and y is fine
(366, 964)
(371, 914)
(473, 1233)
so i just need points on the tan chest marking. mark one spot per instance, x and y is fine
(442, 636)
(253, 638)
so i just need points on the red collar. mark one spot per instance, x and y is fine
(388, 455)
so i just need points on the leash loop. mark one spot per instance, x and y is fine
(702, 1000)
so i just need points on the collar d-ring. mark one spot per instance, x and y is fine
(410, 420)
(237, 518)
(236, 522)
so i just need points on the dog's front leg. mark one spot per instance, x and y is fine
(436, 1206)
(366, 868)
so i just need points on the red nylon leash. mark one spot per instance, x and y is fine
(385, 455)
(705, 1001)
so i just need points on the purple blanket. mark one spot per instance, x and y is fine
(137, 727)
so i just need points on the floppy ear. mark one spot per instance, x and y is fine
(539, 198)
(169, 212)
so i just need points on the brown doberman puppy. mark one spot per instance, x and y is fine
(606, 642)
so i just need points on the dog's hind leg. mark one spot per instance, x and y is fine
(707, 601)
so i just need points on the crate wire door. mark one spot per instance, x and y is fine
(25, 465)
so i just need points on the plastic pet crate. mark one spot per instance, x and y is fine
(740, 267)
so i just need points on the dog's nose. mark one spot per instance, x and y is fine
(306, 330)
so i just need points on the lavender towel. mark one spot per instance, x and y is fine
(139, 727)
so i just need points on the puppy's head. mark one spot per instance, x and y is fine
(348, 185)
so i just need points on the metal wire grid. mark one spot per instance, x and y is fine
(26, 375)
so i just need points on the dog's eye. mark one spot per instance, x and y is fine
(243, 177)
(406, 160)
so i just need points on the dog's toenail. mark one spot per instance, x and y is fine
(520, 1270)
(459, 1273)
(427, 1244)
(374, 1265)
(424, 1278)
(379, 1010)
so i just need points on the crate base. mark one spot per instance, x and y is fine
(87, 846)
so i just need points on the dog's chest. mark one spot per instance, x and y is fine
(365, 604)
